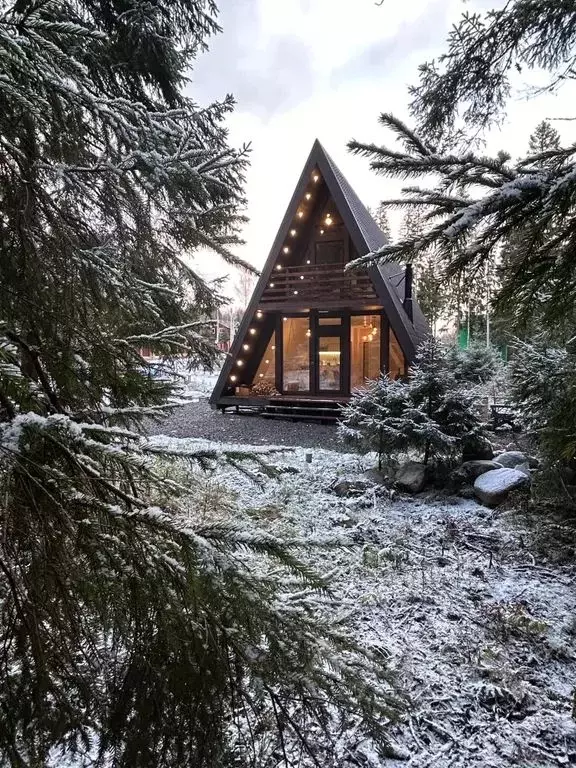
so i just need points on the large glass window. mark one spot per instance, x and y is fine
(364, 349)
(396, 359)
(265, 377)
(296, 354)
(329, 363)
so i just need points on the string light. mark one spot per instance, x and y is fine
(240, 362)
(328, 220)
(278, 266)
(233, 378)
(307, 261)
(246, 347)
(286, 249)
(307, 195)
(271, 285)
(300, 214)
(308, 332)
(321, 231)
(295, 293)
(252, 331)
(259, 314)
(273, 346)
(293, 232)
(267, 362)
(261, 375)
(301, 277)
(315, 177)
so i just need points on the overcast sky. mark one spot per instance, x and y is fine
(306, 69)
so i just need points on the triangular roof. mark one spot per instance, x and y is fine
(366, 236)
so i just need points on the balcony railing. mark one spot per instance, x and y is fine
(318, 284)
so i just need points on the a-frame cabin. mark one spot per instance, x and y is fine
(312, 331)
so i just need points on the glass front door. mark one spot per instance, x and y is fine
(329, 363)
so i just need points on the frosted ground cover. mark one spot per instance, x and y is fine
(479, 628)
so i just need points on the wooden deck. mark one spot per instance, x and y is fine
(303, 408)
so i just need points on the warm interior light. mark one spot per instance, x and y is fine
(267, 361)
(286, 249)
(261, 375)
(308, 332)
(293, 232)
(273, 346)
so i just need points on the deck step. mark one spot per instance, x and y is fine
(303, 410)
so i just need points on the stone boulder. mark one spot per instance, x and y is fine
(476, 447)
(470, 470)
(524, 468)
(411, 477)
(375, 476)
(493, 487)
(510, 458)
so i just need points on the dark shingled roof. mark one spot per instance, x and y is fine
(375, 239)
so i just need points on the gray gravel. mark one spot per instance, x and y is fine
(199, 420)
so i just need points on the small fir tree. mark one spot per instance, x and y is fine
(429, 413)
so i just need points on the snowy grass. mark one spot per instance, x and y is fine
(479, 629)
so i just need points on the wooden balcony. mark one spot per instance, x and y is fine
(318, 286)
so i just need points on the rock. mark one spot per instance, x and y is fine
(411, 477)
(524, 468)
(533, 462)
(351, 487)
(470, 470)
(510, 458)
(375, 476)
(494, 486)
(476, 447)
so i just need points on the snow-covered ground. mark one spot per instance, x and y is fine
(479, 628)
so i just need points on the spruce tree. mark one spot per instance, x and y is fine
(478, 203)
(430, 413)
(134, 633)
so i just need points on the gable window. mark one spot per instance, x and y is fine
(329, 252)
